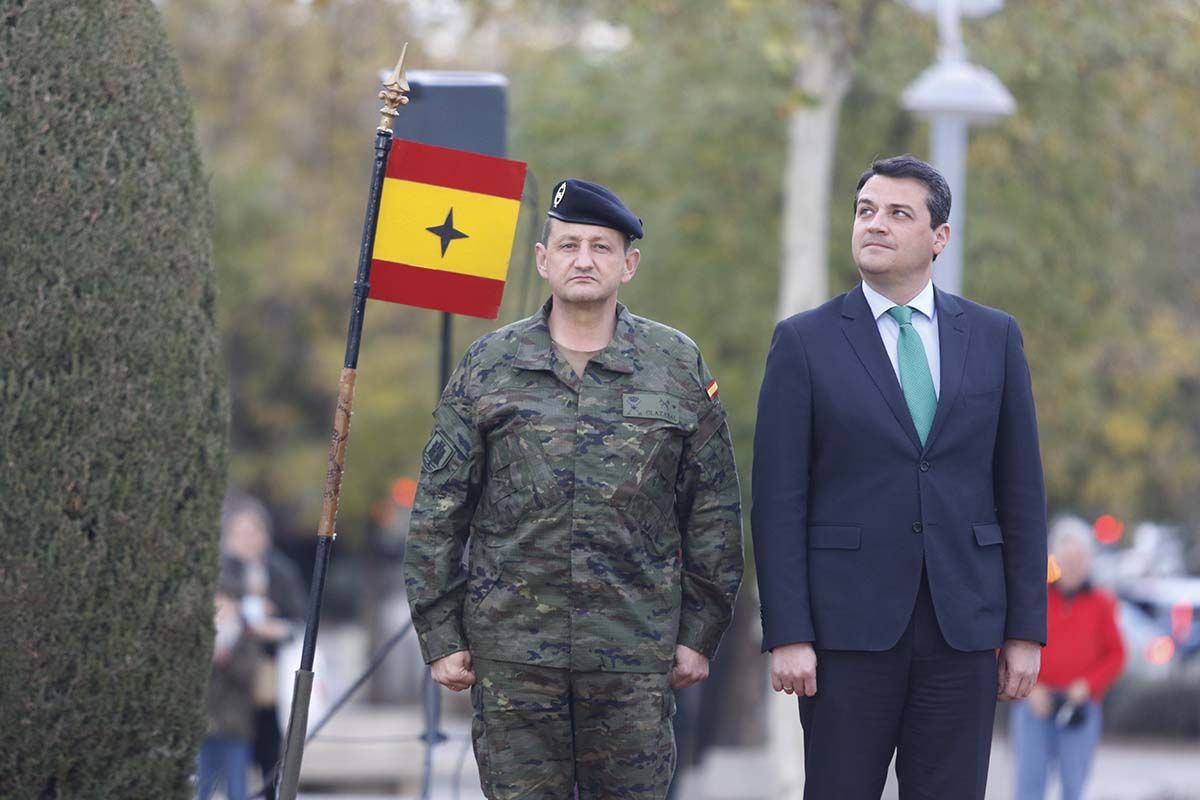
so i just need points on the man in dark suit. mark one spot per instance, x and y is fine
(899, 512)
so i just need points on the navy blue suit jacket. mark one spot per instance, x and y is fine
(847, 504)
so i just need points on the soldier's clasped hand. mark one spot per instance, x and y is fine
(690, 667)
(454, 671)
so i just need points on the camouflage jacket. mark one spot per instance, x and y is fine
(601, 517)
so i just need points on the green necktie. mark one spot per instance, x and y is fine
(915, 377)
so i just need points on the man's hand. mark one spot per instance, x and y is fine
(1079, 692)
(1040, 702)
(690, 667)
(454, 671)
(794, 669)
(1018, 668)
(270, 629)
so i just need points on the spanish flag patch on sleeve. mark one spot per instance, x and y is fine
(711, 389)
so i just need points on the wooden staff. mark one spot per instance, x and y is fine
(393, 96)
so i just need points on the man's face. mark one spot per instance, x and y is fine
(247, 539)
(1075, 560)
(585, 264)
(892, 240)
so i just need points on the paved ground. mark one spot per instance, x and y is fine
(1123, 771)
(371, 754)
(377, 753)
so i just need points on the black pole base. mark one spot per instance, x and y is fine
(293, 754)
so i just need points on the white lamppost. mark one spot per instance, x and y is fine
(952, 94)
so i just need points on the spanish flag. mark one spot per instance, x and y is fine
(446, 224)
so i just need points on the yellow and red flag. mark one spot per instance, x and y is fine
(447, 219)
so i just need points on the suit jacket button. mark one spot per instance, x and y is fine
(924, 466)
(916, 527)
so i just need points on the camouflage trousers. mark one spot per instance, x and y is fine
(540, 733)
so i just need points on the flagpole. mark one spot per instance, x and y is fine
(393, 96)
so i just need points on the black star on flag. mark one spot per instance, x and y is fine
(447, 232)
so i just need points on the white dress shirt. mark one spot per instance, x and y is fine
(924, 322)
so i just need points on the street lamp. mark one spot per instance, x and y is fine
(953, 94)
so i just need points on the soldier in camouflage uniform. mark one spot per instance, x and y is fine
(582, 461)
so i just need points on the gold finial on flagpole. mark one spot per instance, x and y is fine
(393, 94)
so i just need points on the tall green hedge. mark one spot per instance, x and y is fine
(113, 407)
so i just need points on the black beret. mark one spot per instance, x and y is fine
(590, 203)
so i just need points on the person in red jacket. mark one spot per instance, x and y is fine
(1059, 724)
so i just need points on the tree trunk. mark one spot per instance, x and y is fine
(823, 78)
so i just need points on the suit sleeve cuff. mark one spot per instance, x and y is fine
(793, 630)
(1030, 633)
(441, 641)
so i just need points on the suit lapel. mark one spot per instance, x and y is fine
(954, 334)
(862, 331)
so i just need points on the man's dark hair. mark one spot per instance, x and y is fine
(546, 234)
(938, 196)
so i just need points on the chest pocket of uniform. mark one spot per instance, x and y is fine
(656, 425)
(519, 483)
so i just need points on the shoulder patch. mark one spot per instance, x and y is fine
(711, 389)
(436, 453)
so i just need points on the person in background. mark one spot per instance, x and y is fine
(273, 601)
(1060, 722)
(225, 752)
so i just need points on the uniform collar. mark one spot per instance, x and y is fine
(879, 304)
(535, 350)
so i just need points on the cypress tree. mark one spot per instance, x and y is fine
(113, 407)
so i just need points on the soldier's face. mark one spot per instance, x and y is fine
(585, 263)
(892, 240)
